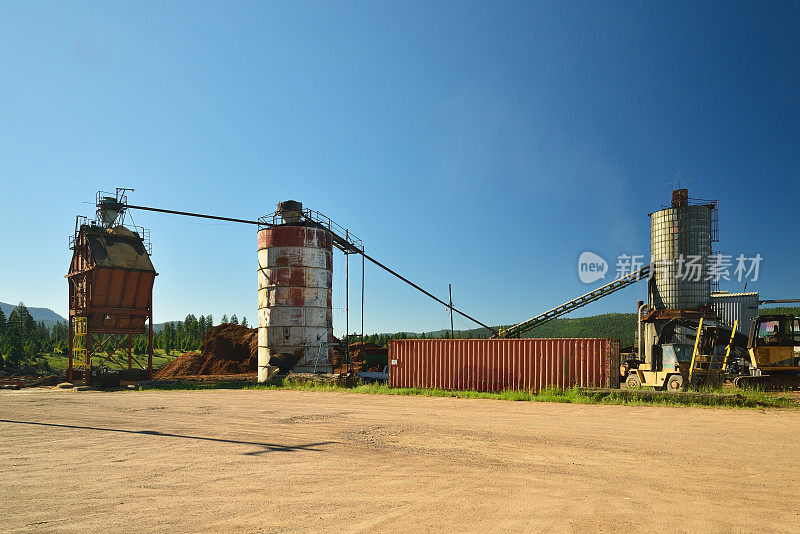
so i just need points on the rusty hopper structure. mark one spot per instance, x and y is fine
(110, 290)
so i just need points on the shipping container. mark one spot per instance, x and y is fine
(504, 364)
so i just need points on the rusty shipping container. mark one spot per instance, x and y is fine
(504, 364)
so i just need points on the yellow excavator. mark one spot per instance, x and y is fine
(772, 360)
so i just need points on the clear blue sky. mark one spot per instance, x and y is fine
(483, 144)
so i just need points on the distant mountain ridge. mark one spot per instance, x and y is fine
(39, 314)
(50, 317)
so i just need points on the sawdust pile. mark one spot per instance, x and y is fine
(228, 349)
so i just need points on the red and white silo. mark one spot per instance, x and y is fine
(295, 274)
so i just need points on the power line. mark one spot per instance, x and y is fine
(340, 241)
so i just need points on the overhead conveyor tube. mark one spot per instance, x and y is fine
(340, 242)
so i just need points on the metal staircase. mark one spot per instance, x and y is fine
(703, 365)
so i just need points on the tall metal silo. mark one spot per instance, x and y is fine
(680, 244)
(295, 275)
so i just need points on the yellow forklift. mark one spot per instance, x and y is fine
(680, 365)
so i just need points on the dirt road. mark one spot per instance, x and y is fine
(285, 461)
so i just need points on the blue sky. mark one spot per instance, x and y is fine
(480, 144)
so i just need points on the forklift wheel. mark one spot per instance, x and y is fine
(675, 383)
(633, 381)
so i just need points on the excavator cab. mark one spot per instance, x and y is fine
(775, 343)
(774, 350)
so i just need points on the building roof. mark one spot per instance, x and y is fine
(118, 248)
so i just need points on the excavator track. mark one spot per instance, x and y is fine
(768, 382)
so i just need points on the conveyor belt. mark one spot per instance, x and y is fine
(574, 304)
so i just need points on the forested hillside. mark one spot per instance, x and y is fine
(611, 325)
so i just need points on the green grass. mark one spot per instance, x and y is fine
(729, 398)
(59, 362)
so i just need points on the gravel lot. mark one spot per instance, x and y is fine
(286, 461)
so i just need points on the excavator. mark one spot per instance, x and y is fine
(772, 358)
(768, 358)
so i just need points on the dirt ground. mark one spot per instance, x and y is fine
(286, 461)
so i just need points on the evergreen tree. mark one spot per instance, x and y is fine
(2, 322)
(192, 330)
(28, 324)
(234, 319)
(59, 332)
(42, 333)
(244, 321)
(12, 353)
(224, 318)
(169, 337)
(14, 325)
(14, 338)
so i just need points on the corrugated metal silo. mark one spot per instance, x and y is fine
(679, 235)
(295, 318)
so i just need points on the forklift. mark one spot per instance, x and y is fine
(676, 366)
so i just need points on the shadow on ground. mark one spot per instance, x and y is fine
(266, 447)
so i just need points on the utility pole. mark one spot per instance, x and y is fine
(450, 289)
(347, 357)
